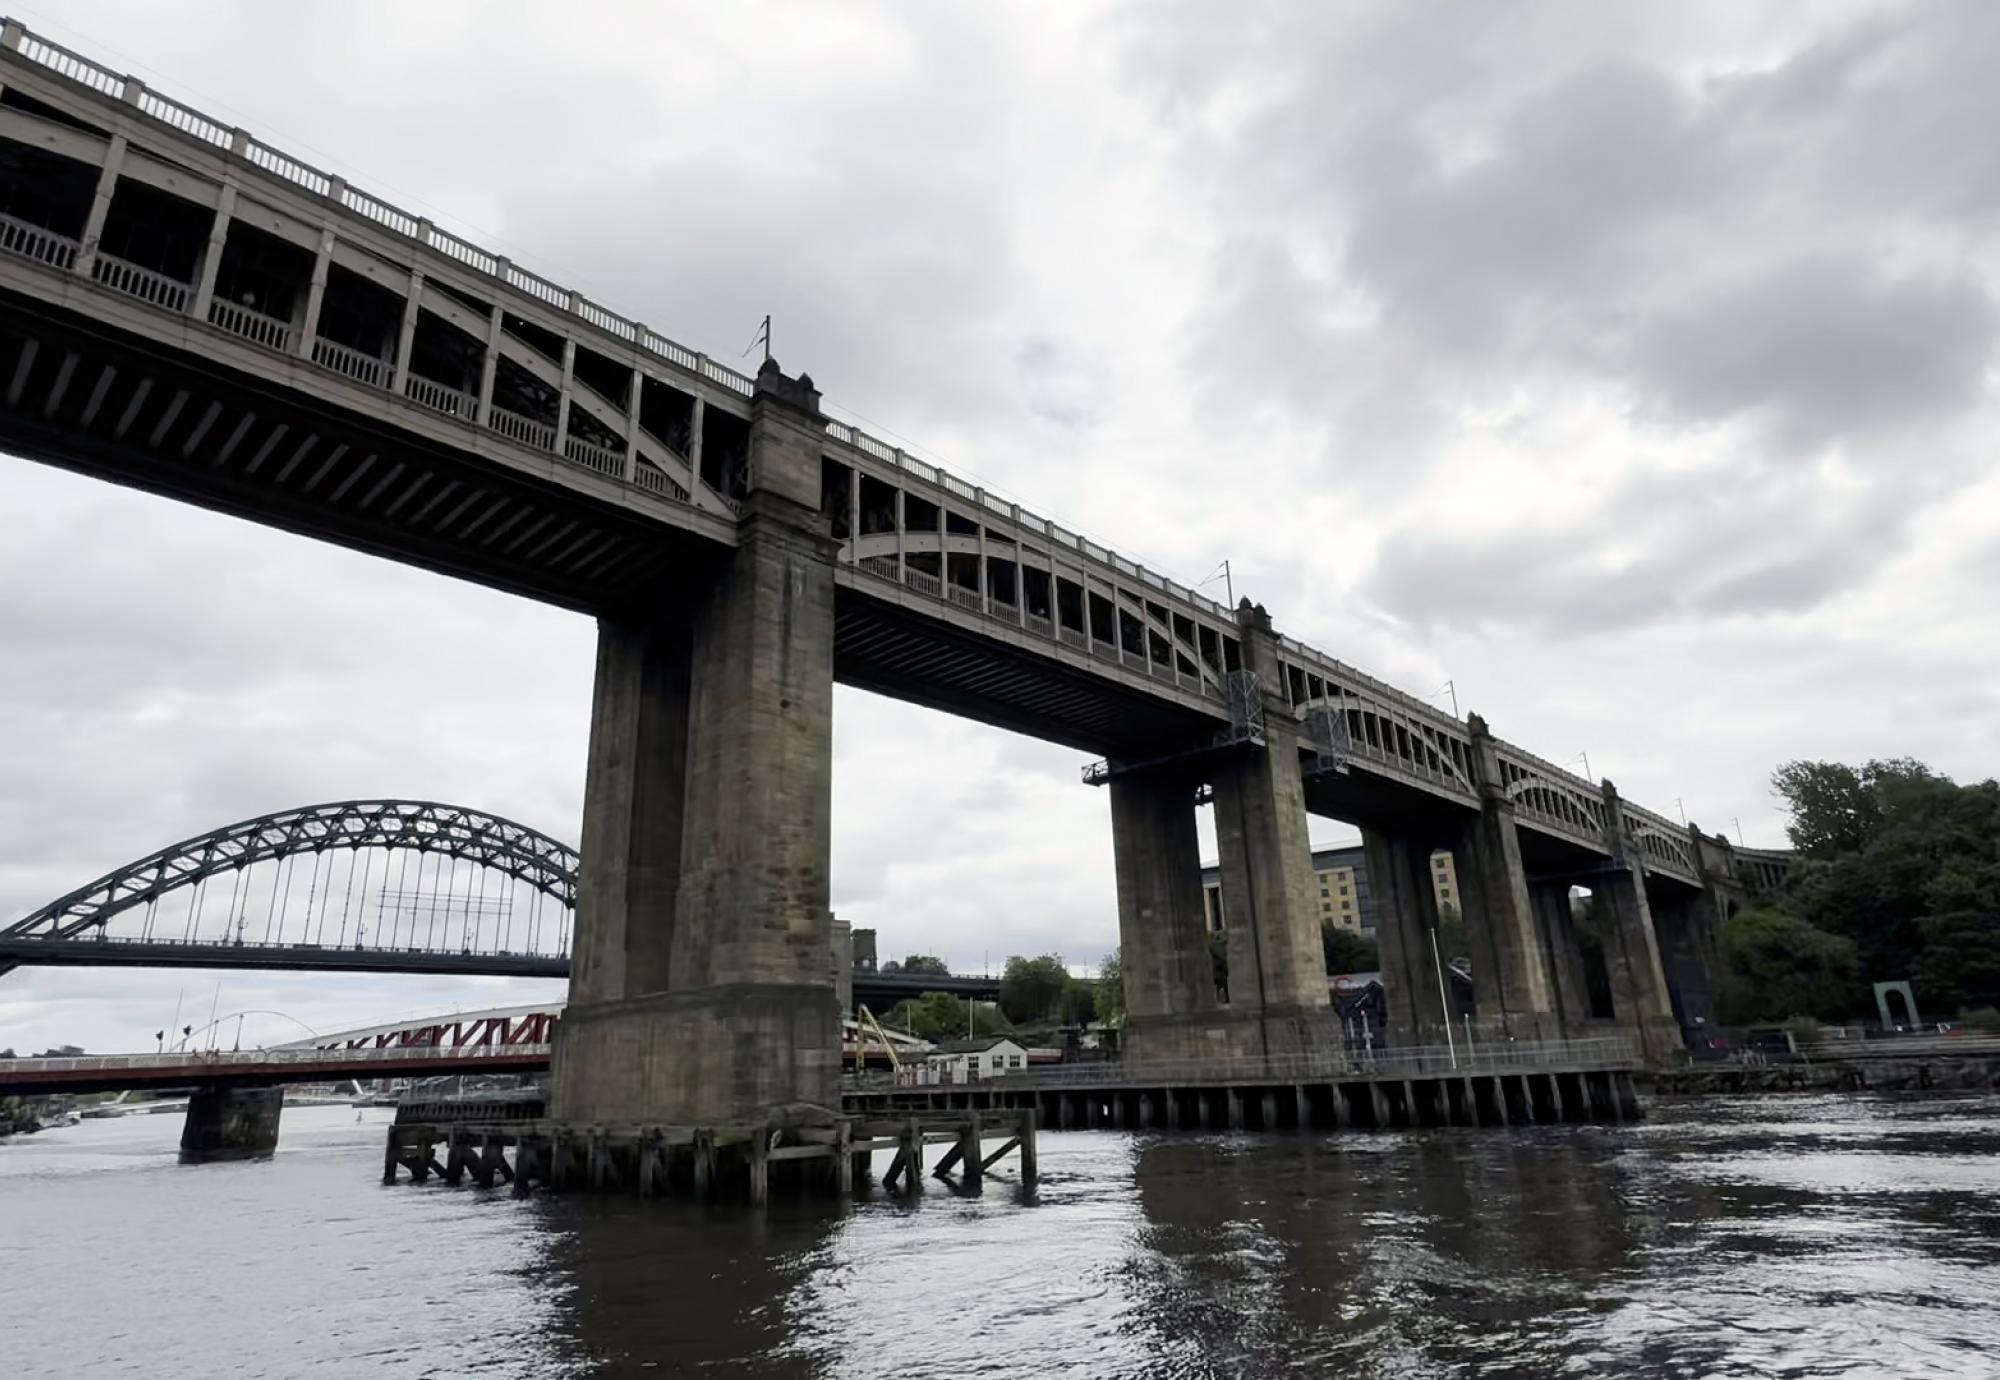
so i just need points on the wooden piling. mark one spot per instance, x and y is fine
(1030, 1163)
(760, 1166)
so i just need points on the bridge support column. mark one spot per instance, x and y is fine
(1278, 998)
(1162, 935)
(1270, 898)
(1399, 880)
(1569, 980)
(1631, 945)
(231, 1123)
(704, 989)
(1510, 978)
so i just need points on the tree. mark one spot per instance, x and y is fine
(1839, 809)
(1078, 1003)
(1111, 987)
(1776, 967)
(940, 1016)
(1032, 989)
(929, 965)
(1451, 936)
(1347, 952)
(1910, 877)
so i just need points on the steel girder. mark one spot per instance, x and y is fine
(422, 825)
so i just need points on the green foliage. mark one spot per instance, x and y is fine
(1776, 967)
(939, 1016)
(1452, 939)
(1111, 988)
(1906, 865)
(1347, 952)
(1839, 809)
(929, 965)
(1032, 989)
(1079, 1002)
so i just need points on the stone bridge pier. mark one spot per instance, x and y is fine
(1515, 992)
(1277, 1002)
(701, 988)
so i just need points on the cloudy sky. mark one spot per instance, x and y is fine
(1630, 366)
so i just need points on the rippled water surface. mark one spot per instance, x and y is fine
(1802, 1237)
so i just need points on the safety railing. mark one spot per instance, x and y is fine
(100, 936)
(26, 241)
(658, 481)
(526, 430)
(1524, 1056)
(594, 457)
(352, 363)
(439, 397)
(253, 326)
(142, 283)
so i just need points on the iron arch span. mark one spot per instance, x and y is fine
(422, 827)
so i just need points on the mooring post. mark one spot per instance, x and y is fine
(392, 1156)
(597, 1156)
(524, 1164)
(1267, 1110)
(843, 1157)
(760, 1166)
(1626, 1090)
(420, 1162)
(649, 1160)
(1144, 1109)
(704, 1163)
(913, 1156)
(454, 1156)
(1173, 1097)
(1030, 1165)
(970, 1172)
(1234, 1099)
(555, 1174)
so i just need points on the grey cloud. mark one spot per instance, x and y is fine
(1655, 548)
(1826, 347)
(1575, 169)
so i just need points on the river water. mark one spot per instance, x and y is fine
(1777, 1237)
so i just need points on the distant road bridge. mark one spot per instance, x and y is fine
(328, 888)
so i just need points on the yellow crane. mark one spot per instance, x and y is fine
(866, 1023)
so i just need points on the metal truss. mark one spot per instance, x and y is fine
(420, 825)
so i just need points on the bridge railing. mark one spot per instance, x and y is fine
(201, 1062)
(1525, 1056)
(101, 937)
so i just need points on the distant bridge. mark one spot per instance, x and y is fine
(258, 1067)
(500, 903)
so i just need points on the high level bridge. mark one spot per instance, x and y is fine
(194, 312)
